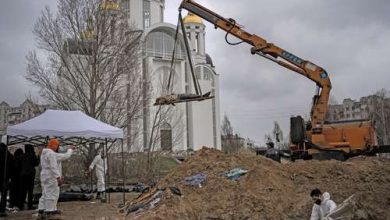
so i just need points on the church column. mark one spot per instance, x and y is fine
(192, 40)
(146, 103)
(201, 42)
(189, 112)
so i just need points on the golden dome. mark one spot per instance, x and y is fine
(191, 18)
(87, 35)
(109, 5)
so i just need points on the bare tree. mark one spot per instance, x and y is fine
(87, 60)
(251, 143)
(276, 137)
(268, 138)
(227, 129)
(380, 113)
(277, 132)
(231, 142)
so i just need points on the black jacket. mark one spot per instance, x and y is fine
(28, 161)
(15, 173)
(10, 163)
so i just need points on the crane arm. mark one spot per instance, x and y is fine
(269, 51)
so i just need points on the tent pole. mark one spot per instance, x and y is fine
(104, 172)
(89, 172)
(3, 201)
(108, 174)
(91, 181)
(123, 175)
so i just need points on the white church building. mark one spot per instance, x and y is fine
(188, 125)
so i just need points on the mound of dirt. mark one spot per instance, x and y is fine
(270, 190)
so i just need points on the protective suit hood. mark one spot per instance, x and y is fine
(325, 196)
(53, 144)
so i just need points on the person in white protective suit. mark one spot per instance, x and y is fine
(51, 178)
(62, 157)
(323, 205)
(100, 165)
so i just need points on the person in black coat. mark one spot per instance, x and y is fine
(14, 192)
(27, 175)
(6, 166)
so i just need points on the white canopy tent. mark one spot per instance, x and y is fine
(65, 124)
(70, 127)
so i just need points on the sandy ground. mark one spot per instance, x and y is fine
(83, 210)
(270, 190)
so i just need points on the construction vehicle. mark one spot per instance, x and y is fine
(314, 139)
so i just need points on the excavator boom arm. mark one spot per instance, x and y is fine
(275, 54)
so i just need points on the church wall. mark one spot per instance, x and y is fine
(198, 124)
(136, 13)
(202, 113)
(156, 8)
(175, 116)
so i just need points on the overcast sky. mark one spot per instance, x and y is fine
(349, 38)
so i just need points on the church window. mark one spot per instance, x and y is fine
(207, 75)
(162, 13)
(196, 46)
(146, 9)
(198, 72)
(160, 44)
(126, 7)
(166, 137)
(214, 119)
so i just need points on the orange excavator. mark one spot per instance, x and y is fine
(316, 138)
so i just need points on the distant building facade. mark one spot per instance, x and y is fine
(233, 143)
(10, 115)
(353, 110)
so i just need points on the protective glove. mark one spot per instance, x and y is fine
(60, 180)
